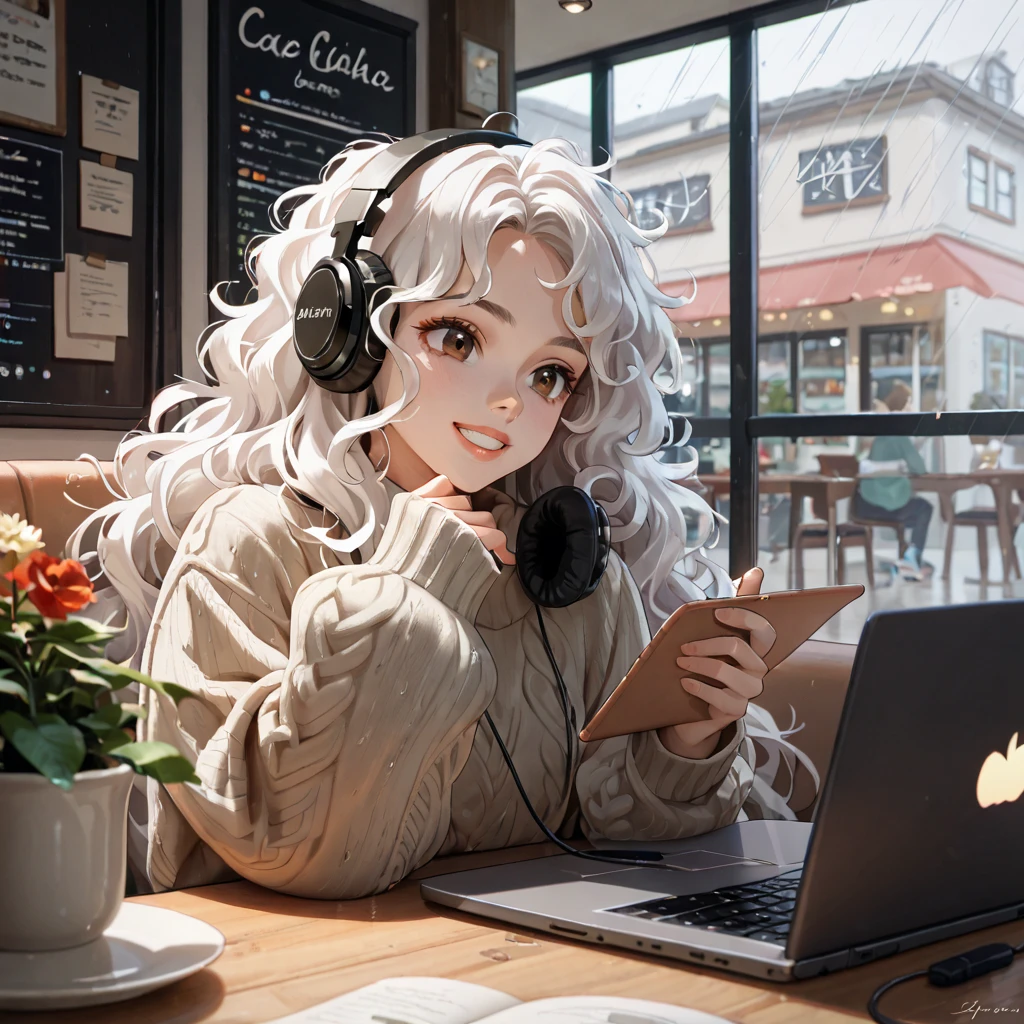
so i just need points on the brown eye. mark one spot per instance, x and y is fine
(452, 341)
(549, 382)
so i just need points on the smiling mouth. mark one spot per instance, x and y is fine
(482, 443)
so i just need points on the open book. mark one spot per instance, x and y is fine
(440, 1001)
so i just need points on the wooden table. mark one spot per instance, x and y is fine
(285, 954)
(829, 490)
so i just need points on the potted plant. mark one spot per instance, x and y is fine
(68, 752)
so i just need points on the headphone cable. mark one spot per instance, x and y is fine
(634, 858)
(568, 711)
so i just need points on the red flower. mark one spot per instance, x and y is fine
(53, 586)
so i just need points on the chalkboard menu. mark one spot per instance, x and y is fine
(685, 204)
(844, 174)
(295, 81)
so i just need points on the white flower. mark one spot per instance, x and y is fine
(18, 538)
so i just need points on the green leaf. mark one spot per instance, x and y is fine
(79, 632)
(52, 746)
(120, 676)
(103, 719)
(111, 716)
(84, 676)
(114, 739)
(16, 689)
(159, 761)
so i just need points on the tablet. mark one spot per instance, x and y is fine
(650, 697)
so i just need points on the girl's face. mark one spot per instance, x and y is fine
(494, 375)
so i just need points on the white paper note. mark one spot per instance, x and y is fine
(28, 41)
(105, 198)
(407, 1001)
(75, 346)
(110, 118)
(97, 297)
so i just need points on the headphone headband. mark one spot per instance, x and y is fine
(379, 179)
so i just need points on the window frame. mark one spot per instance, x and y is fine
(992, 166)
(745, 426)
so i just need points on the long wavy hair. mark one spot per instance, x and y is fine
(260, 419)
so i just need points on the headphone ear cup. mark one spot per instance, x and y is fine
(562, 547)
(333, 337)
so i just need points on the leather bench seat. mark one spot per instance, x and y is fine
(51, 495)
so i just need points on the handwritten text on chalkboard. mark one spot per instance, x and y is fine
(322, 56)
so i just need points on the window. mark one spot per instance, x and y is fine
(999, 83)
(877, 283)
(977, 188)
(670, 136)
(990, 186)
(557, 110)
(1004, 373)
(843, 174)
(685, 205)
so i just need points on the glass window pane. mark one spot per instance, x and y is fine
(978, 184)
(885, 495)
(557, 110)
(887, 196)
(774, 376)
(671, 143)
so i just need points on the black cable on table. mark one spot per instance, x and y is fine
(948, 973)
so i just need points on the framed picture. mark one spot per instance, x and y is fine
(34, 93)
(480, 74)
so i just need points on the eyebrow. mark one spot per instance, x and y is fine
(497, 311)
(566, 342)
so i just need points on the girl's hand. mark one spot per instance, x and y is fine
(740, 679)
(441, 492)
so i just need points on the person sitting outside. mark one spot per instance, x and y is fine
(888, 496)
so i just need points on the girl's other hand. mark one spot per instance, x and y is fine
(441, 492)
(736, 667)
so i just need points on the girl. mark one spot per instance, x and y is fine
(321, 570)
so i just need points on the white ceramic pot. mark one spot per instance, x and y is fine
(62, 857)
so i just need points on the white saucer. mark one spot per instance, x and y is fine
(143, 949)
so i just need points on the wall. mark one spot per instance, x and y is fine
(35, 443)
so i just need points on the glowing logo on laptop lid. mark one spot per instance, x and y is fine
(1001, 779)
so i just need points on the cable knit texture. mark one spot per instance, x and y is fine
(335, 720)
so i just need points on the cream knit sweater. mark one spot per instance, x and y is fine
(335, 728)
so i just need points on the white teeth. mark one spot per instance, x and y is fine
(492, 444)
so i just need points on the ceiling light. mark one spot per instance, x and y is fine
(889, 307)
(717, 322)
(835, 342)
(826, 314)
(783, 316)
(769, 317)
(909, 311)
(575, 6)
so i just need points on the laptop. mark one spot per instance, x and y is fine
(918, 835)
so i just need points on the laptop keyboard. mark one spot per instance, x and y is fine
(759, 910)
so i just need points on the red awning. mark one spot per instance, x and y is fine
(933, 265)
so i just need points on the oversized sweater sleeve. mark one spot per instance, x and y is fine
(633, 787)
(332, 709)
